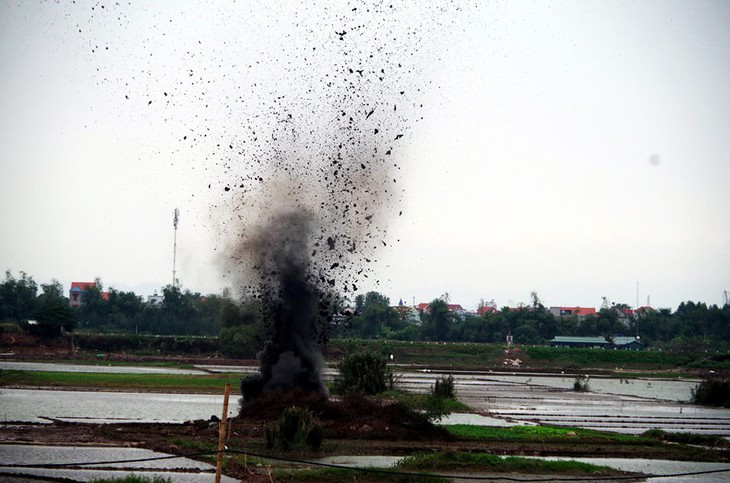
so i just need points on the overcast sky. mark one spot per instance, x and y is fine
(576, 149)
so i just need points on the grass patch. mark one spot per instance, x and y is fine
(604, 357)
(342, 474)
(133, 479)
(493, 463)
(211, 383)
(544, 434)
(100, 360)
(687, 438)
(195, 445)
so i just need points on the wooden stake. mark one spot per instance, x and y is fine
(222, 434)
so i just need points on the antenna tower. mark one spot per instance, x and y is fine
(725, 298)
(606, 304)
(175, 218)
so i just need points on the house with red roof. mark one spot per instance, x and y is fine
(78, 289)
(579, 312)
(455, 309)
(486, 309)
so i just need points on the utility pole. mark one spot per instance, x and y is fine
(175, 218)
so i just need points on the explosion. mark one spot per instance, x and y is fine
(313, 182)
(296, 118)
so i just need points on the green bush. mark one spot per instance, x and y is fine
(365, 372)
(239, 341)
(581, 384)
(713, 391)
(10, 328)
(297, 428)
(444, 387)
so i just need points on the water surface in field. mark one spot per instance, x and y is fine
(173, 468)
(41, 405)
(107, 369)
(501, 399)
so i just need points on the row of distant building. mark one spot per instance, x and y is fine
(407, 312)
(414, 312)
(77, 290)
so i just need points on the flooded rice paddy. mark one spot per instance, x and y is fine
(175, 469)
(43, 405)
(106, 369)
(499, 399)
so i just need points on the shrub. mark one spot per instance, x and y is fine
(365, 372)
(581, 384)
(297, 428)
(713, 391)
(444, 387)
(239, 341)
(10, 328)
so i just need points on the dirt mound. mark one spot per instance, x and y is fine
(352, 415)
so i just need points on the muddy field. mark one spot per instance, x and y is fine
(354, 425)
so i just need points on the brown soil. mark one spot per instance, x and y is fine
(353, 414)
(353, 425)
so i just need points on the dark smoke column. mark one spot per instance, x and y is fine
(291, 301)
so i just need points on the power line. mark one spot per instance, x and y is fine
(110, 462)
(369, 470)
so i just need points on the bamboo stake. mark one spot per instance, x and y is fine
(222, 435)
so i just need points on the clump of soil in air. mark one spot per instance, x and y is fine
(306, 205)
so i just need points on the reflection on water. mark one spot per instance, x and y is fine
(53, 367)
(502, 399)
(36, 405)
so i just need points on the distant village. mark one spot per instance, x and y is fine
(413, 314)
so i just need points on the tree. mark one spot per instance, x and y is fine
(240, 341)
(242, 328)
(437, 320)
(94, 309)
(17, 297)
(124, 311)
(526, 334)
(375, 318)
(52, 294)
(53, 320)
(53, 315)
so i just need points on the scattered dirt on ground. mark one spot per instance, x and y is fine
(353, 414)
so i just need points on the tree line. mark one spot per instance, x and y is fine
(242, 328)
(182, 313)
(535, 324)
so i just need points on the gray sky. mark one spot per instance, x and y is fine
(572, 148)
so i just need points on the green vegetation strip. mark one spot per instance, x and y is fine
(688, 438)
(101, 361)
(498, 464)
(546, 434)
(602, 356)
(133, 479)
(212, 383)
